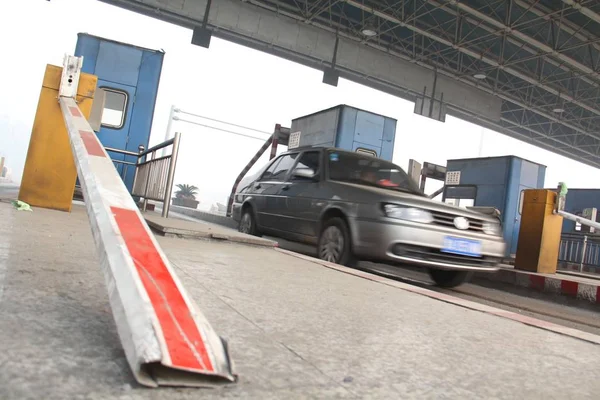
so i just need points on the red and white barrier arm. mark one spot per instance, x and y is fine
(166, 339)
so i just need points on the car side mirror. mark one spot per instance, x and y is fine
(304, 173)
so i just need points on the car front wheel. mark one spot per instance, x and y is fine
(248, 223)
(335, 244)
(449, 279)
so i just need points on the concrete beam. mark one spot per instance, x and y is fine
(297, 41)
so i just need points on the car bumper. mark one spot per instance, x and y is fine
(422, 245)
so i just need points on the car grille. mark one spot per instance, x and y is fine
(444, 219)
(435, 255)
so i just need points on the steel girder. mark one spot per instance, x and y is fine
(541, 57)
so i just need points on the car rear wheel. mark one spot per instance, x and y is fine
(335, 244)
(248, 223)
(449, 279)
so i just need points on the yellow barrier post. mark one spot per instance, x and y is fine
(539, 235)
(49, 175)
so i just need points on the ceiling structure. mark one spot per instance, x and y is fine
(527, 68)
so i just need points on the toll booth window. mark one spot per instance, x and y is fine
(369, 152)
(115, 106)
(461, 196)
(521, 201)
(279, 169)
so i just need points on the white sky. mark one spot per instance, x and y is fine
(226, 82)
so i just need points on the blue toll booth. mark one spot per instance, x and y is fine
(129, 76)
(347, 128)
(496, 182)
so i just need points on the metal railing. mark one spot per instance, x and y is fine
(154, 176)
(579, 251)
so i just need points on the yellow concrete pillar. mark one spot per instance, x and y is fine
(539, 235)
(49, 175)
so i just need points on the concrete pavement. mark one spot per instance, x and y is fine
(296, 329)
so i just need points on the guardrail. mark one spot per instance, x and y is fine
(581, 252)
(153, 176)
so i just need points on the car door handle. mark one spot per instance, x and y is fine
(285, 187)
(257, 186)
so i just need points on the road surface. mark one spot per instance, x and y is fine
(518, 300)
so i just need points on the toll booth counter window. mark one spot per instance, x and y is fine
(460, 196)
(366, 170)
(115, 106)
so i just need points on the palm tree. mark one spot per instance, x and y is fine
(186, 191)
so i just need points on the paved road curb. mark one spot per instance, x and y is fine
(206, 232)
(558, 285)
(538, 323)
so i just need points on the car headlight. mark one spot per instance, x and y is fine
(492, 228)
(408, 214)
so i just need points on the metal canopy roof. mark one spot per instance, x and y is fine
(541, 58)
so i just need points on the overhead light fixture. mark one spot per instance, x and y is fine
(558, 110)
(480, 75)
(369, 31)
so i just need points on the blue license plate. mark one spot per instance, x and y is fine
(463, 247)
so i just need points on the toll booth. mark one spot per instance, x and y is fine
(496, 182)
(128, 79)
(347, 128)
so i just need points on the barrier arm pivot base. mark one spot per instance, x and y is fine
(167, 340)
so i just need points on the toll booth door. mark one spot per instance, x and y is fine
(116, 118)
(517, 225)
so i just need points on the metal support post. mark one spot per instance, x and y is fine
(583, 250)
(171, 176)
(168, 132)
(145, 203)
(274, 142)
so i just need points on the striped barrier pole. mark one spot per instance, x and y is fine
(167, 340)
(241, 175)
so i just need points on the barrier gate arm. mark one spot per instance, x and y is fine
(167, 340)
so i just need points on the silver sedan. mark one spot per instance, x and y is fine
(353, 206)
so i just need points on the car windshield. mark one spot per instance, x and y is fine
(370, 171)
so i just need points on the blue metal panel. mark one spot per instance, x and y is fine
(490, 196)
(389, 136)
(346, 128)
(481, 171)
(511, 220)
(541, 176)
(369, 128)
(143, 108)
(318, 129)
(118, 63)
(87, 46)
